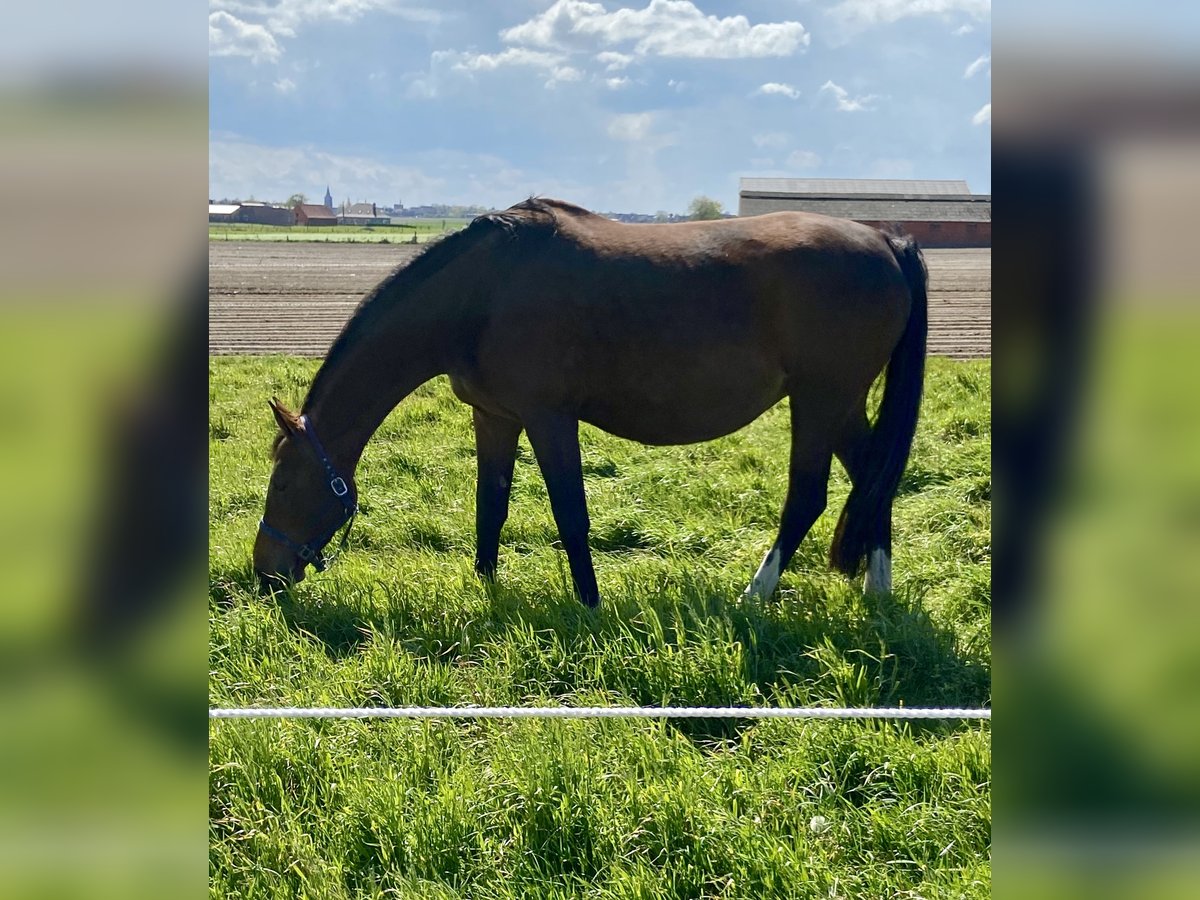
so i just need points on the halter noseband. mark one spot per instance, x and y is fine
(313, 550)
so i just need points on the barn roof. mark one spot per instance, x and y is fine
(223, 209)
(315, 210)
(867, 199)
(857, 186)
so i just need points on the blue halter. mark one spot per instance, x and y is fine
(313, 551)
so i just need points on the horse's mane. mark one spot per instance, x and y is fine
(535, 215)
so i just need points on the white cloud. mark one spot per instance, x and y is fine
(845, 102)
(803, 159)
(230, 36)
(284, 17)
(252, 28)
(631, 126)
(984, 62)
(984, 115)
(285, 85)
(775, 139)
(613, 61)
(963, 29)
(513, 56)
(554, 40)
(561, 74)
(774, 87)
(674, 28)
(551, 63)
(428, 85)
(884, 12)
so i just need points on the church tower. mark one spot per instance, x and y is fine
(328, 198)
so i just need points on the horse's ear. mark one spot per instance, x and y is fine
(288, 422)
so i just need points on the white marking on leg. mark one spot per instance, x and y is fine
(767, 577)
(879, 572)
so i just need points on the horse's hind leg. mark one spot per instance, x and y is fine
(496, 454)
(852, 451)
(808, 482)
(555, 442)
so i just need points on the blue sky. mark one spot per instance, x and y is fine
(633, 107)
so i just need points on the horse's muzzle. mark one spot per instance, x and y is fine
(269, 583)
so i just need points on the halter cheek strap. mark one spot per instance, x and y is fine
(313, 551)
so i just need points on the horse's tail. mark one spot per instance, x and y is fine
(892, 435)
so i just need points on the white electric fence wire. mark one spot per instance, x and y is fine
(597, 712)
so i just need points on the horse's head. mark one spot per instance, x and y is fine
(307, 502)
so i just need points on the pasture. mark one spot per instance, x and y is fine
(612, 809)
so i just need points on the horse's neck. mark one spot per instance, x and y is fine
(368, 380)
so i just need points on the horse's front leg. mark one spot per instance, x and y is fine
(496, 453)
(555, 442)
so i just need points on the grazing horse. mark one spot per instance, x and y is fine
(546, 315)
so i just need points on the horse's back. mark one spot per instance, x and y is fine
(787, 282)
(682, 332)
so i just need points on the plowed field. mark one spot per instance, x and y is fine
(294, 298)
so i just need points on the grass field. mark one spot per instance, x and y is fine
(604, 809)
(401, 231)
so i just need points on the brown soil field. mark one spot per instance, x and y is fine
(294, 298)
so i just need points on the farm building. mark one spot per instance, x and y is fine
(251, 211)
(362, 214)
(222, 212)
(314, 214)
(256, 212)
(936, 213)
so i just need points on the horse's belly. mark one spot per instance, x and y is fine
(665, 432)
(680, 414)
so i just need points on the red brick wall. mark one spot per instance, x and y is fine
(944, 234)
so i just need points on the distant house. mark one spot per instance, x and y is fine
(363, 214)
(314, 214)
(223, 212)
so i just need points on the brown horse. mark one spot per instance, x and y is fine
(545, 316)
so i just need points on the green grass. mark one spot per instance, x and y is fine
(402, 231)
(600, 808)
